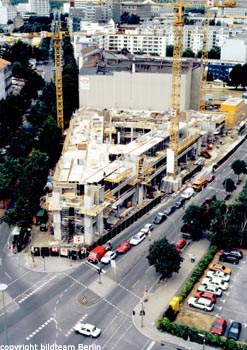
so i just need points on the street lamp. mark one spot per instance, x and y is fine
(142, 313)
(3, 287)
(204, 340)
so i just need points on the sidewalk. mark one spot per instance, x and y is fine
(161, 295)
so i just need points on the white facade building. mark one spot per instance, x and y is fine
(40, 7)
(235, 49)
(7, 13)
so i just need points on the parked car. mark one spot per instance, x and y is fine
(209, 288)
(220, 267)
(109, 255)
(234, 252)
(180, 202)
(224, 276)
(159, 218)
(138, 238)
(210, 178)
(229, 258)
(96, 254)
(187, 193)
(87, 329)
(181, 243)
(123, 247)
(219, 326)
(147, 228)
(201, 303)
(169, 210)
(234, 330)
(216, 281)
(206, 295)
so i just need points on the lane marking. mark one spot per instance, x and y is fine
(39, 329)
(151, 345)
(149, 268)
(135, 284)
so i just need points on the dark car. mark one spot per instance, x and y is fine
(159, 218)
(219, 326)
(169, 210)
(234, 331)
(229, 258)
(180, 202)
(234, 252)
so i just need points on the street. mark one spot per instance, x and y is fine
(43, 307)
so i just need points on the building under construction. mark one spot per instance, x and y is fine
(114, 161)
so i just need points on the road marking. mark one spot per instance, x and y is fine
(135, 284)
(6, 273)
(151, 345)
(72, 328)
(37, 330)
(149, 268)
(26, 295)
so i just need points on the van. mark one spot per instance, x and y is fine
(199, 184)
(96, 254)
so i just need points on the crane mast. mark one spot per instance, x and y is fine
(57, 37)
(176, 84)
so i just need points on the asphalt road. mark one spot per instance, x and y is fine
(42, 308)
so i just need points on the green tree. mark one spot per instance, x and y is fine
(239, 167)
(235, 76)
(9, 173)
(229, 185)
(188, 53)
(169, 50)
(194, 220)
(164, 256)
(214, 53)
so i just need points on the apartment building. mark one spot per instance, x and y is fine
(40, 7)
(5, 78)
(7, 13)
(93, 11)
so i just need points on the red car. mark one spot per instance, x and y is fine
(181, 243)
(123, 247)
(219, 326)
(206, 295)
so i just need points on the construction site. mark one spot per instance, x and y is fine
(117, 161)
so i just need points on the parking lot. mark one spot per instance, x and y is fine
(232, 305)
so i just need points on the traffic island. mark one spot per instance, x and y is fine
(88, 298)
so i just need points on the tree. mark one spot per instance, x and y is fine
(214, 53)
(164, 256)
(235, 76)
(188, 53)
(239, 167)
(193, 221)
(229, 185)
(169, 50)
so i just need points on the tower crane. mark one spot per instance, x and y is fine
(178, 25)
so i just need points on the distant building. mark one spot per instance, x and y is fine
(235, 49)
(7, 13)
(40, 7)
(5, 78)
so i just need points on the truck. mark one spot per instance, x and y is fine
(199, 184)
(96, 254)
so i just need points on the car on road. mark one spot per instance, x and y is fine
(159, 218)
(137, 238)
(201, 303)
(234, 252)
(234, 330)
(209, 288)
(87, 329)
(169, 210)
(180, 202)
(181, 243)
(109, 255)
(224, 276)
(123, 247)
(229, 258)
(219, 326)
(220, 267)
(147, 228)
(215, 281)
(206, 295)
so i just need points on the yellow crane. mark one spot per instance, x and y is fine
(176, 84)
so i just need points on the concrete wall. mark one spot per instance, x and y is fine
(234, 50)
(142, 91)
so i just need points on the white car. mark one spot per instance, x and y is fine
(209, 288)
(224, 276)
(110, 255)
(201, 303)
(215, 281)
(87, 329)
(147, 228)
(138, 238)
